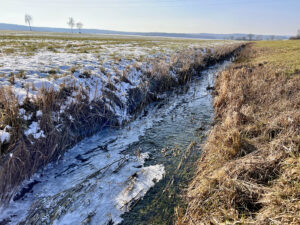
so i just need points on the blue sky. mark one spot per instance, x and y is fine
(184, 16)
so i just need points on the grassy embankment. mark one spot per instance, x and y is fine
(249, 172)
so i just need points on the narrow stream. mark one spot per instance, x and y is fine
(134, 175)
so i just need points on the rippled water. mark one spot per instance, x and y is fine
(102, 179)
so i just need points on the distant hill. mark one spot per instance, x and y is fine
(15, 27)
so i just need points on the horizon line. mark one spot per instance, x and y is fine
(149, 32)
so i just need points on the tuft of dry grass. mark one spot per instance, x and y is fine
(85, 74)
(12, 79)
(249, 172)
(9, 109)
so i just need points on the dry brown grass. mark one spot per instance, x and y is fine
(187, 64)
(29, 154)
(9, 110)
(249, 172)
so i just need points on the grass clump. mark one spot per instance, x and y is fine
(52, 71)
(12, 78)
(8, 51)
(85, 74)
(9, 111)
(73, 69)
(21, 74)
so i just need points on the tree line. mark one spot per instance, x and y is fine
(297, 36)
(71, 23)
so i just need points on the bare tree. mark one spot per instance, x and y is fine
(79, 26)
(28, 20)
(259, 37)
(296, 37)
(71, 23)
(250, 37)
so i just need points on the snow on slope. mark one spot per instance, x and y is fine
(91, 65)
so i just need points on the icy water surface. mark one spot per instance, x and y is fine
(134, 175)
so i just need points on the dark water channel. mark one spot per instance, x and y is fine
(172, 141)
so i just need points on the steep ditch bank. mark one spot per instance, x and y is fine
(109, 174)
(249, 172)
(58, 132)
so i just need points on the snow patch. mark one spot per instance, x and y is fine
(138, 185)
(4, 136)
(39, 113)
(35, 130)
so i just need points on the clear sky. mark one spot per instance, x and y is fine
(182, 16)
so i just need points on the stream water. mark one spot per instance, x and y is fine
(134, 175)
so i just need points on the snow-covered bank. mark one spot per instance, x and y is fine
(52, 113)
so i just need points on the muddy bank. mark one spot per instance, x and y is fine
(84, 118)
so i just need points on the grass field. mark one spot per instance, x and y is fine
(283, 55)
(249, 172)
(29, 43)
